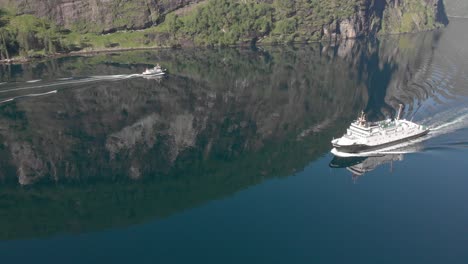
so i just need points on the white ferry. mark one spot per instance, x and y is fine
(366, 136)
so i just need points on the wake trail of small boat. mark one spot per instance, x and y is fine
(47, 85)
(119, 76)
(72, 81)
(28, 95)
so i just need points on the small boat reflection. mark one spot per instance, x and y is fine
(359, 166)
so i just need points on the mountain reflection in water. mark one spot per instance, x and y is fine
(106, 153)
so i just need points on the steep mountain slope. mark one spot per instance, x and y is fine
(97, 15)
(32, 28)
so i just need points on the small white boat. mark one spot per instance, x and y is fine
(157, 70)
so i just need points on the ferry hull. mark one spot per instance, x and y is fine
(357, 148)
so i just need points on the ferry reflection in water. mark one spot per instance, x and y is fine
(359, 166)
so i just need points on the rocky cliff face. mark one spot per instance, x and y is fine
(401, 16)
(361, 17)
(98, 15)
(388, 17)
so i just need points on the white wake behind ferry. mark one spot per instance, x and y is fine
(363, 136)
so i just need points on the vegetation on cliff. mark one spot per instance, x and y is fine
(213, 22)
(226, 22)
(27, 36)
(411, 16)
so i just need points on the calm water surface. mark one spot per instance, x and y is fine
(227, 159)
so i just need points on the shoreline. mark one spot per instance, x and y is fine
(22, 60)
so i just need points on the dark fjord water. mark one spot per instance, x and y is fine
(227, 160)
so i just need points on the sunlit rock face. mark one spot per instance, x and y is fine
(373, 17)
(401, 16)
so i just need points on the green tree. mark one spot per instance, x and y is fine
(3, 36)
(47, 34)
(173, 23)
(285, 8)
